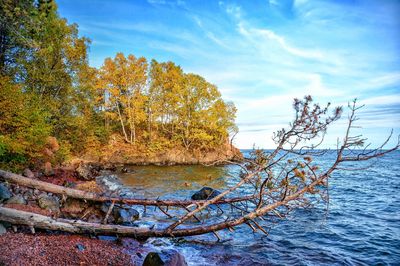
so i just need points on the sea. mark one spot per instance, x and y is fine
(359, 226)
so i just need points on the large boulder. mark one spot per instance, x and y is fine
(166, 258)
(205, 193)
(49, 203)
(5, 193)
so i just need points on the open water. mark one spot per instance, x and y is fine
(361, 227)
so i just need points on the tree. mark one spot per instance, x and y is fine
(23, 126)
(166, 84)
(203, 117)
(15, 23)
(123, 81)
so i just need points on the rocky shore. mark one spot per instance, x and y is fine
(26, 246)
(126, 154)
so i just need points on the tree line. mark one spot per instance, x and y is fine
(48, 89)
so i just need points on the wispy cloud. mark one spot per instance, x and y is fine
(264, 35)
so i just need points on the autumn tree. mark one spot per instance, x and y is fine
(122, 81)
(203, 117)
(166, 84)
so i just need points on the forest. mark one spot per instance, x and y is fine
(53, 104)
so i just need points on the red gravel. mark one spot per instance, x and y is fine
(29, 208)
(59, 249)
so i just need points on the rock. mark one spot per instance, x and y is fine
(110, 167)
(74, 207)
(28, 173)
(80, 247)
(48, 169)
(165, 257)
(3, 230)
(17, 199)
(85, 171)
(5, 193)
(205, 193)
(121, 214)
(28, 194)
(49, 203)
(107, 238)
(94, 218)
(153, 259)
(125, 216)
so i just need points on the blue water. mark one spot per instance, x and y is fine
(360, 227)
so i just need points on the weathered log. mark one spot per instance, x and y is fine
(86, 195)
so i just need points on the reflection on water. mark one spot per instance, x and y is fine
(161, 181)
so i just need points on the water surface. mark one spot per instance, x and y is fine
(362, 226)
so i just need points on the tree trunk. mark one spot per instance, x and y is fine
(122, 123)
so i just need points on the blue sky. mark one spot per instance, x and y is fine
(262, 54)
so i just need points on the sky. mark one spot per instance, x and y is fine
(263, 54)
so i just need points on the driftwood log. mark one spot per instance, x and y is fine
(90, 196)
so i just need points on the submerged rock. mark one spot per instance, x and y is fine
(5, 193)
(165, 257)
(205, 193)
(49, 203)
(17, 199)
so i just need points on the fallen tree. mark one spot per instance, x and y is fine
(281, 181)
(90, 196)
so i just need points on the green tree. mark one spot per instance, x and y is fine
(24, 126)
